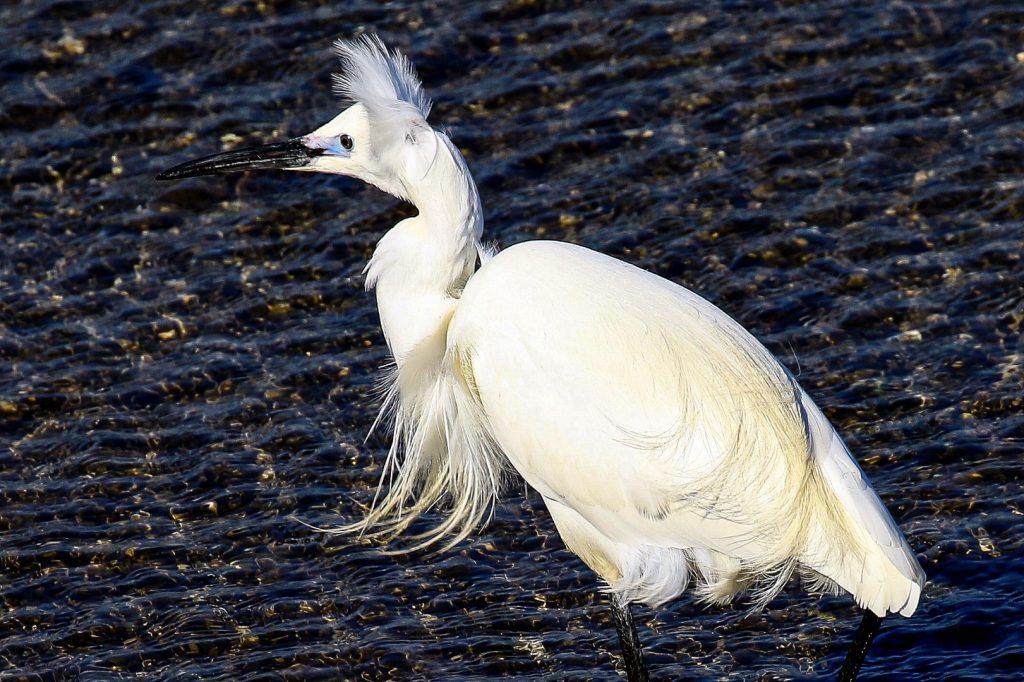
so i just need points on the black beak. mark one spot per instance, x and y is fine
(288, 154)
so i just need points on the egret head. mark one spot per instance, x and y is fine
(382, 137)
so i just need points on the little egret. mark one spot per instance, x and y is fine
(668, 444)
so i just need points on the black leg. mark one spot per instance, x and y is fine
(636, 671)
(869, 625)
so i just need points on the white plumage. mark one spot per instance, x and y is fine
(669, 445)
(666, 435)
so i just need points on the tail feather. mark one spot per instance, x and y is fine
(856, 543)
(863, 570)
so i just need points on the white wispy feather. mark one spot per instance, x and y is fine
(382, 80)
(384, 83)
(441, 454)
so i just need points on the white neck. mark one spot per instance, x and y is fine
(421, 265)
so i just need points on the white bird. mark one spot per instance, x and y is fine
(669, 445)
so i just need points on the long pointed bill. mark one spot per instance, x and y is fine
(288, 154)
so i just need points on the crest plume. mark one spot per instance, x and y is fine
(380, 79)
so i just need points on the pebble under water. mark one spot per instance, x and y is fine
(186, 370)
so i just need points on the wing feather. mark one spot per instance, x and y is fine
(658, 418)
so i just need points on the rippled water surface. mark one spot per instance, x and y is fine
(187, 368)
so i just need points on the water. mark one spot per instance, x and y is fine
(187, 367)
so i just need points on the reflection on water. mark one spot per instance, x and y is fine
(188, 367)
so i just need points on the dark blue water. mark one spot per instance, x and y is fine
(186, 368)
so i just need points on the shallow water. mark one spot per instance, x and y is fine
(187, 368)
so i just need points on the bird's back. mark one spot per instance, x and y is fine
(662, 423)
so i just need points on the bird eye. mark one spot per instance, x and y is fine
(346, 142)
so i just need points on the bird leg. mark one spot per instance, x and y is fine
(869, 625)
(629, 642)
